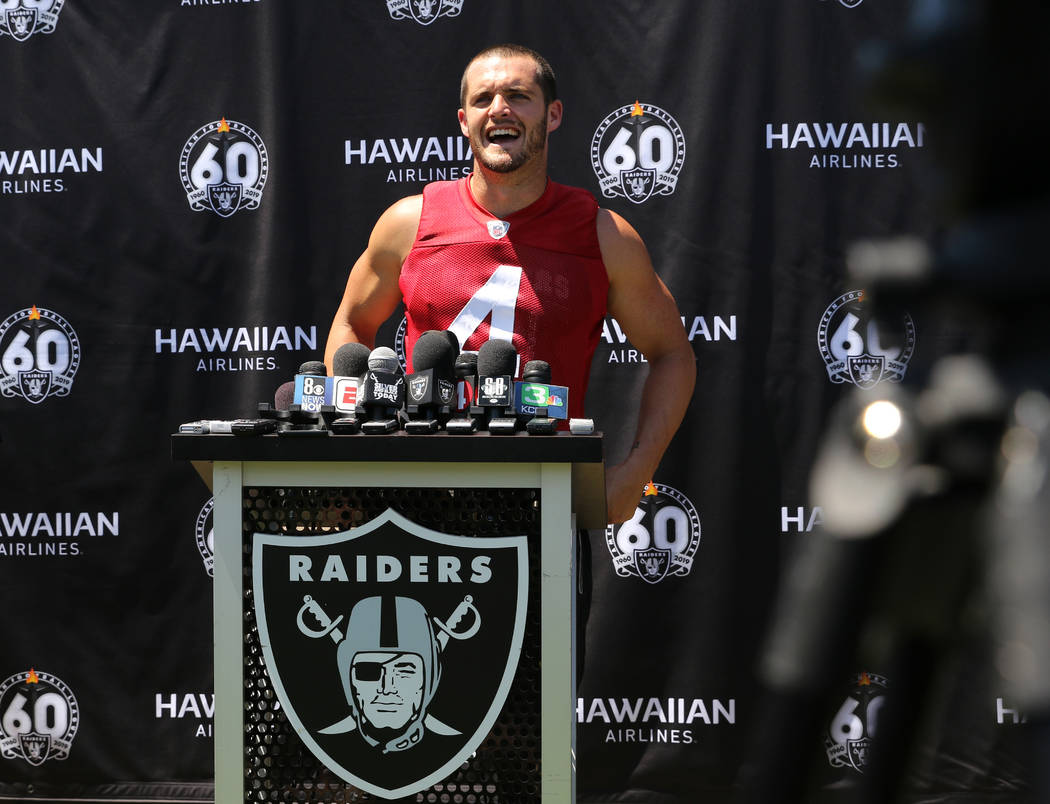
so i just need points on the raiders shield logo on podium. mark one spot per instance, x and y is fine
(392, 647)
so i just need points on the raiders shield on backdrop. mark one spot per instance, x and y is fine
(224, 197)
(392, 647)
(35, 747)
(34, 384)
(21, 22)
(637, 184)
(866, 370)
(652, 564)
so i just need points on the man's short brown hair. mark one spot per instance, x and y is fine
(544, 73)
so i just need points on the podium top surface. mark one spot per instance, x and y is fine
(400, 446)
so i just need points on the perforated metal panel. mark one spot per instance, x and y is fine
(277, 765)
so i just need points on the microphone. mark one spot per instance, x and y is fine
(430, 390)
(466, 372)
(282, 401)
(349, 364)
(312, 398)
(531, 396)
(313, 387)
(283, 396)
(497, 361)
(382, 394)
(452, 339)
(287, 416)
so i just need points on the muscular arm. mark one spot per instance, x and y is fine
(648, 315)
(372, 290)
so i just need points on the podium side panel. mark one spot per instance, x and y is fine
(557, 613)
(228, 596)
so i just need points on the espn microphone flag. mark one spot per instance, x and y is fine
(349, 364)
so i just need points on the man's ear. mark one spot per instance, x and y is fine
(463, 122)
(554, 112)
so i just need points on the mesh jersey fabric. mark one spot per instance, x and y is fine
(535, 278)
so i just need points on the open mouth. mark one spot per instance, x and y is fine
(500, 136)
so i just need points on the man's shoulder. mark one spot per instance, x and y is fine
(570, 200)
(396, 228)
(444, 187)
(571, 191)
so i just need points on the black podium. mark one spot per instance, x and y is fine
(395, 615)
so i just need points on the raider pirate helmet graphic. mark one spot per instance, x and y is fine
(390, 666)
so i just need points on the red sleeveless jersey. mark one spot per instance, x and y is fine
(536, 278)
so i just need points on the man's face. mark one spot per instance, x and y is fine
(388, 687)
(504, 114)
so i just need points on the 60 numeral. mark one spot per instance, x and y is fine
(49, 353)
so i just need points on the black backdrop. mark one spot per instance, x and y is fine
(127, 309)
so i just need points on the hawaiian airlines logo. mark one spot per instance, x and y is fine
(224, 168)
(235, 349)
(637, 152)
(847, 741)
(39, 717)
(660, 540)
(20, 19)
(1008, 715)
(847, 145)
(28, 170)
(857, 350)
(38, 534)
(413, 159)
(676, 721)
(198, 708)
(39, 355)
(423, 11)
(422, 631)
(708, 328)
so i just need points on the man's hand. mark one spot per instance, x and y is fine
(622, 492)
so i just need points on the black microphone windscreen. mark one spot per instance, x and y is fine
(452, 339)
(434, 350)
(313, 367)
(536, 371)
(284, 395)
(350, 360)
(383, 359)
(466, 364)
(496, 358)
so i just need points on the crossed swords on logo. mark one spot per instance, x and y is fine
(329, 627)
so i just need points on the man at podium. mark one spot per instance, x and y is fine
(507, 253)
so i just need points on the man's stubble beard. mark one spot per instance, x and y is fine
(534, 144)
